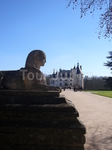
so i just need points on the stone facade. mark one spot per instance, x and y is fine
(68, 78)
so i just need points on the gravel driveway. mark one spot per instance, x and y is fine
(96, 114)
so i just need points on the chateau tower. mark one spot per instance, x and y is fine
(68, 78)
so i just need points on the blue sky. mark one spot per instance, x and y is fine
(48, 25)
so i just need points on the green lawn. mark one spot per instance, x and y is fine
(103, 93)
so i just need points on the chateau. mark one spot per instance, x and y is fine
(68, 78)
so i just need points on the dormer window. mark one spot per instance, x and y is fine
(63, 75)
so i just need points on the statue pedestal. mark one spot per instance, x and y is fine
(38, 120)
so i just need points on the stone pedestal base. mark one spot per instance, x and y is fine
(31, 120)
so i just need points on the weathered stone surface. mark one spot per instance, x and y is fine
(38, 121)
(27, 78)
(29, 97)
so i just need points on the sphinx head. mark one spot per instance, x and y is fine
(35, 59)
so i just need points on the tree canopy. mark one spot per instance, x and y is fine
(105, 23)
(109, 62)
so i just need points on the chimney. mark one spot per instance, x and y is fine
(81, 67)
(53, 71)
(77, 64)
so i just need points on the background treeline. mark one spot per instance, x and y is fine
(97, 83)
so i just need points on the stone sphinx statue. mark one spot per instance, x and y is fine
(28, 78)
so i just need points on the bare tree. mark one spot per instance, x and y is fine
(105, 23)
(96, 83)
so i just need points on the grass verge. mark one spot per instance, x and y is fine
(103, 93)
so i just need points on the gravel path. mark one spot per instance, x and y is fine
(96, 114)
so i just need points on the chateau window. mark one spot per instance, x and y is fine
(60, 79)
(60, 84)
(53, 75)
(63, 75)
(60, 75)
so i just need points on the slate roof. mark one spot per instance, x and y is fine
(63, 71)
(67, 71)
(78, 70)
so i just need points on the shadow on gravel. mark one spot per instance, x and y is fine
(99, 141)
